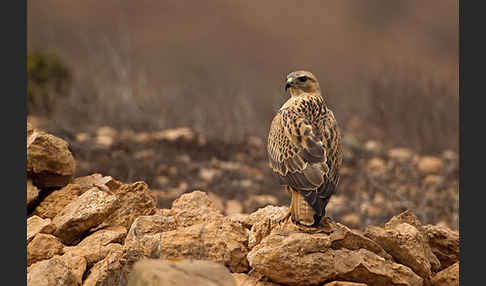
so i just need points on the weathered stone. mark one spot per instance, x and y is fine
(444, 243)
(87, 211)
(430, 165)
(262, 222)
(132, 201)
(51, 272)
(76, 264)
(32, 193)
(193, 208)
(51, 205)
(448, 276)
(42, 247)
(308, 259)
(344, 283)
(110, 271)
(98, 245)
(141, 233)
(243, 279)
(404, 239)
(49, 161)
(155, 272)
(233, 207)
(37, 225)
(221, 241)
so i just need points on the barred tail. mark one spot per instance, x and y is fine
(301, 211)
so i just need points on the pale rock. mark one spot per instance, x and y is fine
(37, 225)
(32, 193)
(444, 243)
(156, 272)
(49, 160)
(448, 276)
(430, 165)
(42, 247)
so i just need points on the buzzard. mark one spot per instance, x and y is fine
(304, 148)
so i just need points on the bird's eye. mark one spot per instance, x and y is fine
(302, 78)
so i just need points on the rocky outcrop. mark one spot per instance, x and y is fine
(95, 230)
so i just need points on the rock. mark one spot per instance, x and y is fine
(76, 264)
(193, 208)
(222, 241)
(372, 146)
(344, 283)
(208, 174)
(243, 279)
(51, 205)
(141, 233)
(444, 243)
(399, 154)
(155, 272)
(32, 193)
(101, 207)
(37, 225)
(432, 180)
(96, 179)
(233, 207)
(262, 222)
(54, 271)
(98, 245)
(376, 166)
(430, 165)
(308, 259)
(110, 271)
(86, 212)
(49, 161)
(133, 200)
(402, 237)
(176, 134)
(448, 276)
(42, 247)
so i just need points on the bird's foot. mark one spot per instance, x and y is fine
(285, 218)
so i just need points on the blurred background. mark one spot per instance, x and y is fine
(181, 93)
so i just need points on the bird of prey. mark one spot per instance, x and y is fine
(304, 148)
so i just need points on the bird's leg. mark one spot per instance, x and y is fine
(285, 217)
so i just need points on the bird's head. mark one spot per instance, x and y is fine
(299, 82)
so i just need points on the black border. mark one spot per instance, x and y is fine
(13, 24)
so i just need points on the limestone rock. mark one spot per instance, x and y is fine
(344, 283)
(53, 203)
(233, 207)
(155, 272)
(42, 247)
(243, 279)
(222, 241)
(76, 264)
(403, 238)
(307, 259)
(37, 225)
(32, 193)
(141, 233)
(448, 276)
(444, 243)
(49, 161)
(87, 211)
(110, 271)
(262, 222)
(132, 201)
(98, 245)
(52, 272)
(430, 165)
(193, 208)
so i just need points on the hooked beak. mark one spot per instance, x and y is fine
(289, 83)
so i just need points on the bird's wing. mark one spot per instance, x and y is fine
(295, 152)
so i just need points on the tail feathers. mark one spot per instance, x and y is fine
(301, 211)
